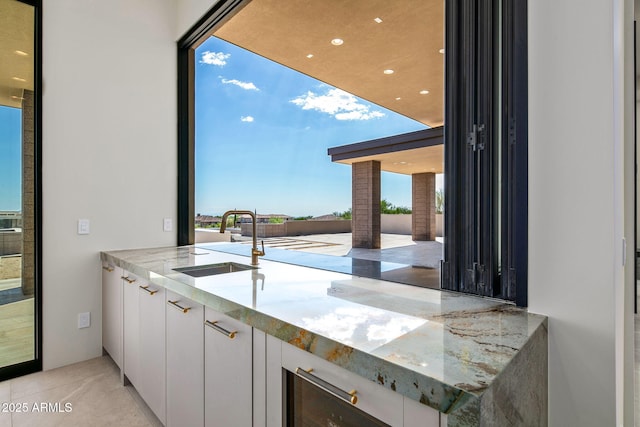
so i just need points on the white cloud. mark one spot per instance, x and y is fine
(338, 103)
(247, 119)
(215, 58)
(243, 85)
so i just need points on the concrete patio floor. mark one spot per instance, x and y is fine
(395, 248)
(420, 260)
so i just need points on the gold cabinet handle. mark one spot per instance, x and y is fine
(107, 268)
(146, 288)
(214, 325)
(347, 396)
(128, 279)
(178, 306)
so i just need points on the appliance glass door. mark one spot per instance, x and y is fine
(310, 406)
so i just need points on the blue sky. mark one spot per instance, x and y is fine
(10, 159)
(262, 133)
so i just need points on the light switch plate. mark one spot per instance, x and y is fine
(167, 224)
(83, 226)
(84, 320)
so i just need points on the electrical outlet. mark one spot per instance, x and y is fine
(84, 320)
(167, 224)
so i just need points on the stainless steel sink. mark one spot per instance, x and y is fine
(213, 269)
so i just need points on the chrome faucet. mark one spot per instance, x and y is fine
(255, 252)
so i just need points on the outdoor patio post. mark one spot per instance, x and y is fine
(423, 209)
(365, 222)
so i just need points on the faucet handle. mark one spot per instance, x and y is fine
(262, 243)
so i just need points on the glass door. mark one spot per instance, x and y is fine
(310, 406)
(18, 350)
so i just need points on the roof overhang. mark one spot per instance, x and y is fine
(405, 36)
(407, 154)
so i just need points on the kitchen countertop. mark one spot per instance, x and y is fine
(441, 348)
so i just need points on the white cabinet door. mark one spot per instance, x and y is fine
(112, 312)
(151, 348)
(131, 327)
(228, 371)
(185, 362)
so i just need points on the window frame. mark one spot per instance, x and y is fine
(481, 233)
(34, 365)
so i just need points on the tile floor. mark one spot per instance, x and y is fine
(91, 391)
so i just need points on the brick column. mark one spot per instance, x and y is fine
(28, 194)
(423, 209)
(365, 222)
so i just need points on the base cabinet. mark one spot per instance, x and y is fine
(185, 361)
(196, 367)
(228, 371)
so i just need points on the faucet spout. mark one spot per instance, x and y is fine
(255, 252)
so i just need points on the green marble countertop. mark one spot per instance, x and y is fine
(441, 348)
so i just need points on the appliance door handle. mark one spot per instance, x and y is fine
(347, 396)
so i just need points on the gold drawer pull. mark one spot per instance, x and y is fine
(178, 306)
(349, 397)
(107, 268)
(146, 288)
(128, 279)
(214, 325)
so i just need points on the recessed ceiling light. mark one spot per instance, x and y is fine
(441, 51)
(388, 71)
(378, 20)
(424, 92)
(310, 56)
(18, 79)
(21, 53)
(337, 42)
(398, 99)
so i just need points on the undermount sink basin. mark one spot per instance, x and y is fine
(213, 269)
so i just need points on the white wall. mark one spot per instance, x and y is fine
(575, 255)
(189, 12)
(109, 152)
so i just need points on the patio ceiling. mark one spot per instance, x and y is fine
(16, 51)
(406, 36)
